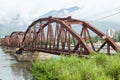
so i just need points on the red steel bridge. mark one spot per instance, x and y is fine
(60, 35)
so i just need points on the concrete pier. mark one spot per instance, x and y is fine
(9, 49)
(32, 56)
(27, 55)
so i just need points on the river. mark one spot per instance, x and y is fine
(10, 69)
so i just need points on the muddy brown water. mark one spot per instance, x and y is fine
(10, 69)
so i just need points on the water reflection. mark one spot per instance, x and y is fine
(21, 69)
(10, 69)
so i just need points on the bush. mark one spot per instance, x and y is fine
(98, 67)
(113, 67)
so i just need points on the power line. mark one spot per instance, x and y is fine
(107, 16)
(104, 12)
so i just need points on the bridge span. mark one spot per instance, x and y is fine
(57, 35)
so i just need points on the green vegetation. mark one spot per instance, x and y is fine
(94, 40)
(97, 39)
(116, 36)
(97, 67)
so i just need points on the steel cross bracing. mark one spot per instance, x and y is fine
(14, 40)
(5, 41)
(57, 35)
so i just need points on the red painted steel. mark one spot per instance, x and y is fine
(5, 41)
(16, 39)
(57, 35)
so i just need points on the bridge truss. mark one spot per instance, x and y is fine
(62, 35)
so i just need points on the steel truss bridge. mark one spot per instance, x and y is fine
(60, 35)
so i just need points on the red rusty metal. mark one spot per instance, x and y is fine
(56, 35)
(16, 39)
(2, 41)
(5, 41)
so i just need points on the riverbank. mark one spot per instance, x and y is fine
(97, 67)
(27, 55)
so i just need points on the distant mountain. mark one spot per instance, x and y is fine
(7, 29)
(101, 25)
(62, 12)
(14, 24)
(104, 25)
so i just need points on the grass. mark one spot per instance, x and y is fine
(97, 67)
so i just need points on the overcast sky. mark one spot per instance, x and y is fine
(30, 9)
